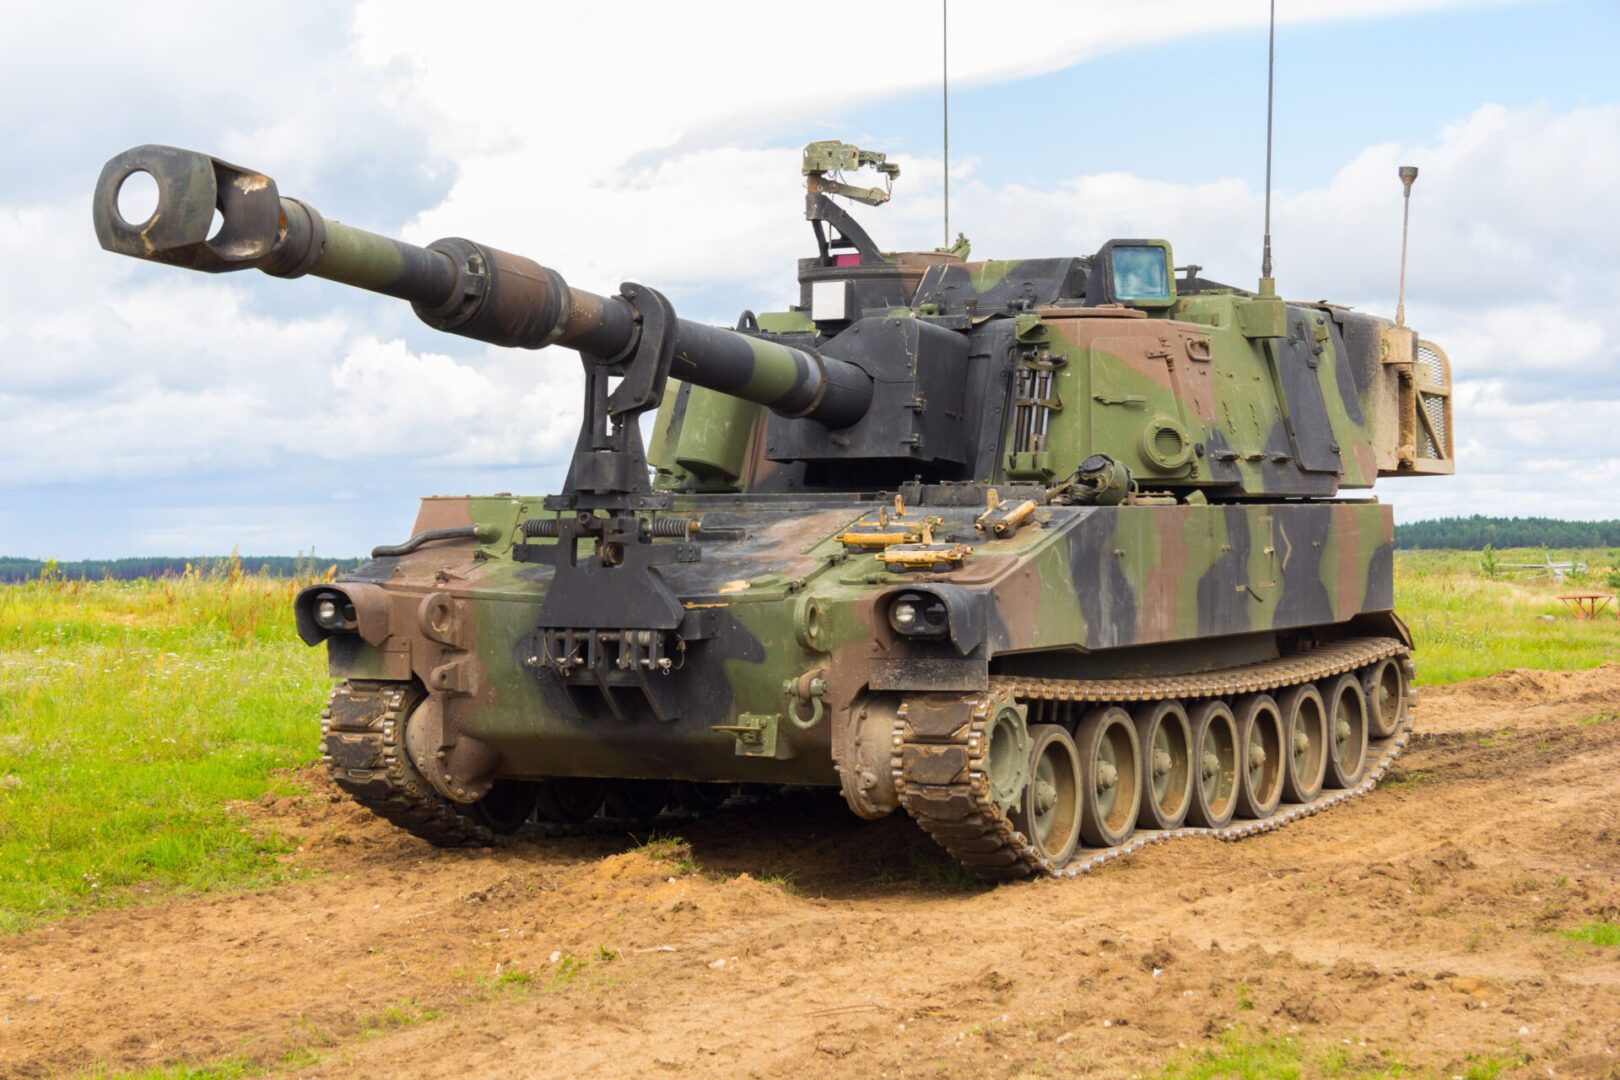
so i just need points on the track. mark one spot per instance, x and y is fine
(963, 816)
(940, 773)
(361, 731)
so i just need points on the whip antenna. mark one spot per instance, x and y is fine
(945, 90)
(1408, 173)
(1268, 287)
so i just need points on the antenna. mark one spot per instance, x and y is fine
(1268, 287)
(945, 84)
(1408, 174)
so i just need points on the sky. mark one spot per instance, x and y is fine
(150, 411)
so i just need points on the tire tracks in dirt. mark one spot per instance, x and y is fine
(1416, 924)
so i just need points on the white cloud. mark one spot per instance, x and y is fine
(389, 402)
(556, 160)
(617, 144)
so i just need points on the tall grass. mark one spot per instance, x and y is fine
(130, 715)
(1467, 624)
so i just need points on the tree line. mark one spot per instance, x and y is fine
(1478, 532)
(156, 566)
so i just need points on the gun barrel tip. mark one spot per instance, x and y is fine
(168, 204)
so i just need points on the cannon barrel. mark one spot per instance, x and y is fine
(454, 285)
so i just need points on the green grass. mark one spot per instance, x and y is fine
(400, 1015)
(782, 879)
(1490, 1066)
(130, 715)
(1240, 1054)
(228, 1069)
(1595, 933)
(673, 850)
(566, 970)
(1467, 625)
(1244, 1054)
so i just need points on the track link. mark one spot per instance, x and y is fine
(940, 773)
(361, 731)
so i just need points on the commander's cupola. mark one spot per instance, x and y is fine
(848, 275)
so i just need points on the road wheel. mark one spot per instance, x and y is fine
(1111, 771)
(1385, 686)
(699, 797)
(636, 801)
(1215, 744)
(1305, 737)
(1346, 706)
(1260, 743)
(506, 807)
(1165, 736)
(1048, 812)
(570, 800)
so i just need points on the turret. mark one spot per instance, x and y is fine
(894, 368)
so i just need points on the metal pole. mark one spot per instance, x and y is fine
(945, 87)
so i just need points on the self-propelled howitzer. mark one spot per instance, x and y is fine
(1048, 552)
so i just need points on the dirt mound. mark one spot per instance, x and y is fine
(1496, 699)
(1419, 925)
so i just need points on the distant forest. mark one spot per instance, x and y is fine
(1474, 533)
(14, 570)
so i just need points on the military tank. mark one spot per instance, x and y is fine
(1054, 554)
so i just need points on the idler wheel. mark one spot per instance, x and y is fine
(636, 801)
(1110, 768)
(1347, 731)
(1260, 743)
(1215, 771)
(1385, 687)
(1165, 734)
(1305, 739)
(699, 797)
(1048, 811)
(1006, 754)
(569, 800)
(507, 807)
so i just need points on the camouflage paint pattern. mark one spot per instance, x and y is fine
(1240, 417)
(1076, 580)
(1080, 588)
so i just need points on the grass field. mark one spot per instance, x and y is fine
(1467, 625)
(132, 713)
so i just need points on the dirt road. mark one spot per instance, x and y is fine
(1416, 925)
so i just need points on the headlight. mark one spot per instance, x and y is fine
(333, 611)
(344, 607)
(919, 615)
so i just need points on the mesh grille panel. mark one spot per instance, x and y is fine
(1431, 363)
(1434, 406)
